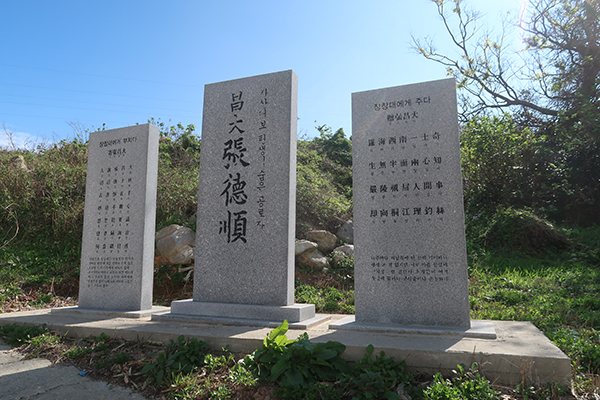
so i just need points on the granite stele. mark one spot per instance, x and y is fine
(117, 255)
(244, 266)
(409, 235)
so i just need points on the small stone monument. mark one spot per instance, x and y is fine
(410, 248)
(117, 255)
(244, 268)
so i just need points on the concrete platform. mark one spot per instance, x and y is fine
(109, 313)
(519, 349)
(260, 323)
(37, 378)
(297, 312)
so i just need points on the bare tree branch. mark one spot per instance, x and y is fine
(560, 69)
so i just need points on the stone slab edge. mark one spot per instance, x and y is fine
(519, 350)
(479, 328)
(110, 313)
(305, 324)
(292, 313)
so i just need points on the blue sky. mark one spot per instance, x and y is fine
(88, 63)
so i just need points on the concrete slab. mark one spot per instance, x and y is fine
(40, 380)
(519, 350)
(75, 310)
(296, 312)
(304, 324)
(478, 329)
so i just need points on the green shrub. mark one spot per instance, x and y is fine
(324, 182)
(344, 270)
(513, 231)
(582, 346)
(464, 385)
(16, 335)
(299, 362)
(375, 378)
(180, 357)
(552, 170)
(328, 299)
(306, 370)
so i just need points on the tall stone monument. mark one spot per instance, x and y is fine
(244, 265)
(410, 248)
(117, 255)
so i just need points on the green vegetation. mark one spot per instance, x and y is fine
(16, 335)
(465, 385)
(185, 369)
(324, 181)
(180, 357)
(522, 266)
(326, 299)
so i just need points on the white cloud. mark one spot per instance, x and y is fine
(21, 140)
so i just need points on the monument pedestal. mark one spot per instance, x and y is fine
(478, 329)
(79, 311)
(299, 316)
(519, 349)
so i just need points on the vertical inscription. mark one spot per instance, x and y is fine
(117, 250)
(112, 262)
(233, 226)
(247, 172)
(408, 210)
(262, 158)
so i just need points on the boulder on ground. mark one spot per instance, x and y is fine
(339, 253)
(313, 259)
(304, 245)
(325, 240)
(346, 232)
(176, 243)
(18, 162)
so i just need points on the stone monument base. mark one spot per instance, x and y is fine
(479, 329)
(299, 316)
(520, 351)
(109, 313)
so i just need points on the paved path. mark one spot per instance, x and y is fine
(38, 379)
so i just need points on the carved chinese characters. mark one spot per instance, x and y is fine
(410, 260)
(246, 202)
(118, 234)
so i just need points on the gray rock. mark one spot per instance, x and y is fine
(339, 253)
(346, 232)
(18, 162)
(325, 240)
(176, 243)
(313, 259)
(304, 245)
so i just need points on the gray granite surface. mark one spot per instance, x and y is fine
(246, 201)
(117, 255)
(410, 250)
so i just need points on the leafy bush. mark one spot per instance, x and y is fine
(344, 269)
(306, 370)
(324, 182)
(297, 362)
(523, 231)
(16, 335)
(498, 164)
(180, 357)
(465, 385)
(178, 168)
(582, 346)
(328, 299)
(48, 195)
(375, 378)
(552, 170)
